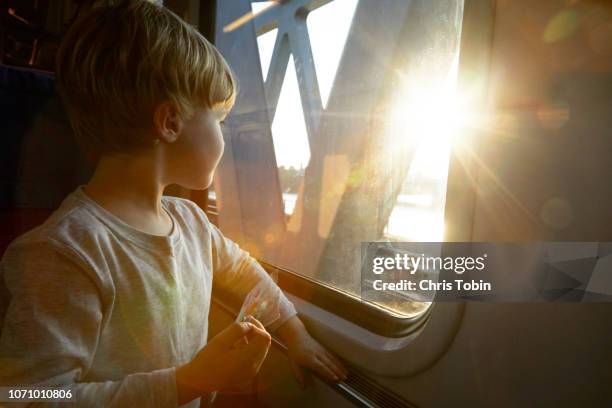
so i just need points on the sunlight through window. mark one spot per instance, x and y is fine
(428, 115)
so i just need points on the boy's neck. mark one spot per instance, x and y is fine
(131, 187)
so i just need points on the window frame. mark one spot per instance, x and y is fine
(368, 315)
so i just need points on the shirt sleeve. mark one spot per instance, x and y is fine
(51, 326)
(236, 271)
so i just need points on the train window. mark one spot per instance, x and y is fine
(362, 119)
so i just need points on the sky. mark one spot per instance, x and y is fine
(288, 127)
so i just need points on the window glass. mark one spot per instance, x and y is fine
(369, 166)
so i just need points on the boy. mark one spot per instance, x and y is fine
(112, 292)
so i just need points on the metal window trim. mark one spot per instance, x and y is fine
(367, 315)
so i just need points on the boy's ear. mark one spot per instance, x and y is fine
(167, 122)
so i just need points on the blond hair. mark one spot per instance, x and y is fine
(119, 61)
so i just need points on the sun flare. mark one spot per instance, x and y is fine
(430, 118)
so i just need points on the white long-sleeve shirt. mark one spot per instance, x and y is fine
(87, 299)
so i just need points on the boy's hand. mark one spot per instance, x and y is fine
(228, 361)
(306, 351)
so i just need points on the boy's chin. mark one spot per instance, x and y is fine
(198, 184)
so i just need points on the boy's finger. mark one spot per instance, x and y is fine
(259, 343)
(241, 342)
(254, 321)
(325, 371)
(332, 366)
(260, 336)
(297, 372)
(337, 362)
(236, 331)
(255, 352)
(258, 331)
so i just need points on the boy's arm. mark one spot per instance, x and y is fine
(236, 271)
(51, 327)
